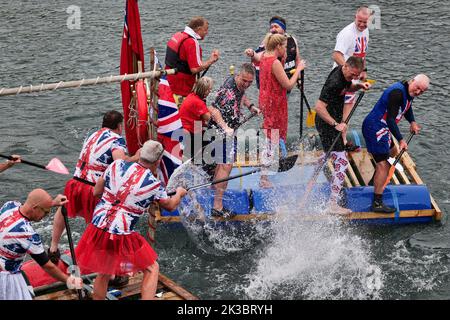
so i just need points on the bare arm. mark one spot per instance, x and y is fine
(217, 117)
(338, 57)
(280, 75)
(205, 65)
(172, 203)
(321, 109)
(55, 272)
(119, 154)
(99, 187)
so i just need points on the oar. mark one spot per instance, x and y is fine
(392, 168)
(311, 115)
(218, 181)
(54, 165)
(74, 267)
(319, 168)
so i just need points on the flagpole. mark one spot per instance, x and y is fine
(85, 82)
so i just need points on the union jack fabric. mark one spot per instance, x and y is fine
(129, 191)
(361, 45)
(17, 238)
(169, 130)
(96, 154)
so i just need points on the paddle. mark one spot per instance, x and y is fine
(322, 163)
(217, 181)
(74, 269)
(392, 168)
(54, 165)
(311, 115)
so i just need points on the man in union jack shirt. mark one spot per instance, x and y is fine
(18, 238)
(99, 150)
(110, 246)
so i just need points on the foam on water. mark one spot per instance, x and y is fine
(319, 259)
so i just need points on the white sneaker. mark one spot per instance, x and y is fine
(334, 208)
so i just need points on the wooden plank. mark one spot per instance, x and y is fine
(364, 164)
(355, 182)
(172, 286)
(403, 214)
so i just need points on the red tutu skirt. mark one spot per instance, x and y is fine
(81, 200)
(105, 253)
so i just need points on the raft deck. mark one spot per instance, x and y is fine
(358, 174)
(166, 290)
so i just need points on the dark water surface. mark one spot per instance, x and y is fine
(311, 262)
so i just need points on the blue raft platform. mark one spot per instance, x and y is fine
(407, 193)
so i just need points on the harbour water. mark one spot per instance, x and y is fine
(286, 260)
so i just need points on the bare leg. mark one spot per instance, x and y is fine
(58, 229)
(222, 171)
(101, 286)
(381, 174)
(150, 282)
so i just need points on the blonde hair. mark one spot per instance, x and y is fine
(272, 41)
(203, 86)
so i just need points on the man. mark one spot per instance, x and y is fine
(394, 104)
(9, 163)
(184, 53)
(110, 246)
(99, 150)
(351, 41)
(292, 59)
(229, 99)
(17, 238)
(330, 121)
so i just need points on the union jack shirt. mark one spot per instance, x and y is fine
(96, 154)
(17, 238)
(129, 191)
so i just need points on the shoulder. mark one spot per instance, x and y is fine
(347, 31)
(9, 206)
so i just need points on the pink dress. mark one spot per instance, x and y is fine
(272, 99)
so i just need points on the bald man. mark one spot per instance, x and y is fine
(17, 238)
(394, 104)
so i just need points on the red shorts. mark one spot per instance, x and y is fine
(81, 200)
(105, 253)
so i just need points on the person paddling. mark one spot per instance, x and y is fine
(9, 163)
(394, 104)
(18, 238)
(99, 150)
(110, 245)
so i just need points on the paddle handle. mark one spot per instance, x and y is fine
(23, 161)
(69, 238)
(217, 181)
(302, 99)
(411, 135)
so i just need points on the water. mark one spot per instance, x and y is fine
(289, 261)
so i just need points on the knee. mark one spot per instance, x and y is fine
(154, 268)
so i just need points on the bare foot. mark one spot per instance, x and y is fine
(334, 208)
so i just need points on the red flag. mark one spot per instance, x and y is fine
(132, 50)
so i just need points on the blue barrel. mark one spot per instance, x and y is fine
(401, 197)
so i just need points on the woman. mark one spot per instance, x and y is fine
(195, 114)
(274, 84)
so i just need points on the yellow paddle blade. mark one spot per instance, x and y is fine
(390, 175)
(311, 119)
(371, 81)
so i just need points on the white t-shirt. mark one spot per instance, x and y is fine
(352, 42)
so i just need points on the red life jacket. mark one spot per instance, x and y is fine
(173, 59)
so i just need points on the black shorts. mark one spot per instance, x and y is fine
(327, 135)
(383, 157)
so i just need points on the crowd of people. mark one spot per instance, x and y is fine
(112, 190)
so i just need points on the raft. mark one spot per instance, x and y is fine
(406, 192)
(47, 288)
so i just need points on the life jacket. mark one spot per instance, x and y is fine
(173, 59)
(291, 56)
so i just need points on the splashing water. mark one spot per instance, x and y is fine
(318, 259)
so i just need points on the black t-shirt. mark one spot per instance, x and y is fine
(333, 93)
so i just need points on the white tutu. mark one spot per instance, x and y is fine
(13, 287)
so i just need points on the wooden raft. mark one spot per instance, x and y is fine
(168, 290)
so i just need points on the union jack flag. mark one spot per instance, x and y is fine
(17, 238)
(360, 47)
(169, 130)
